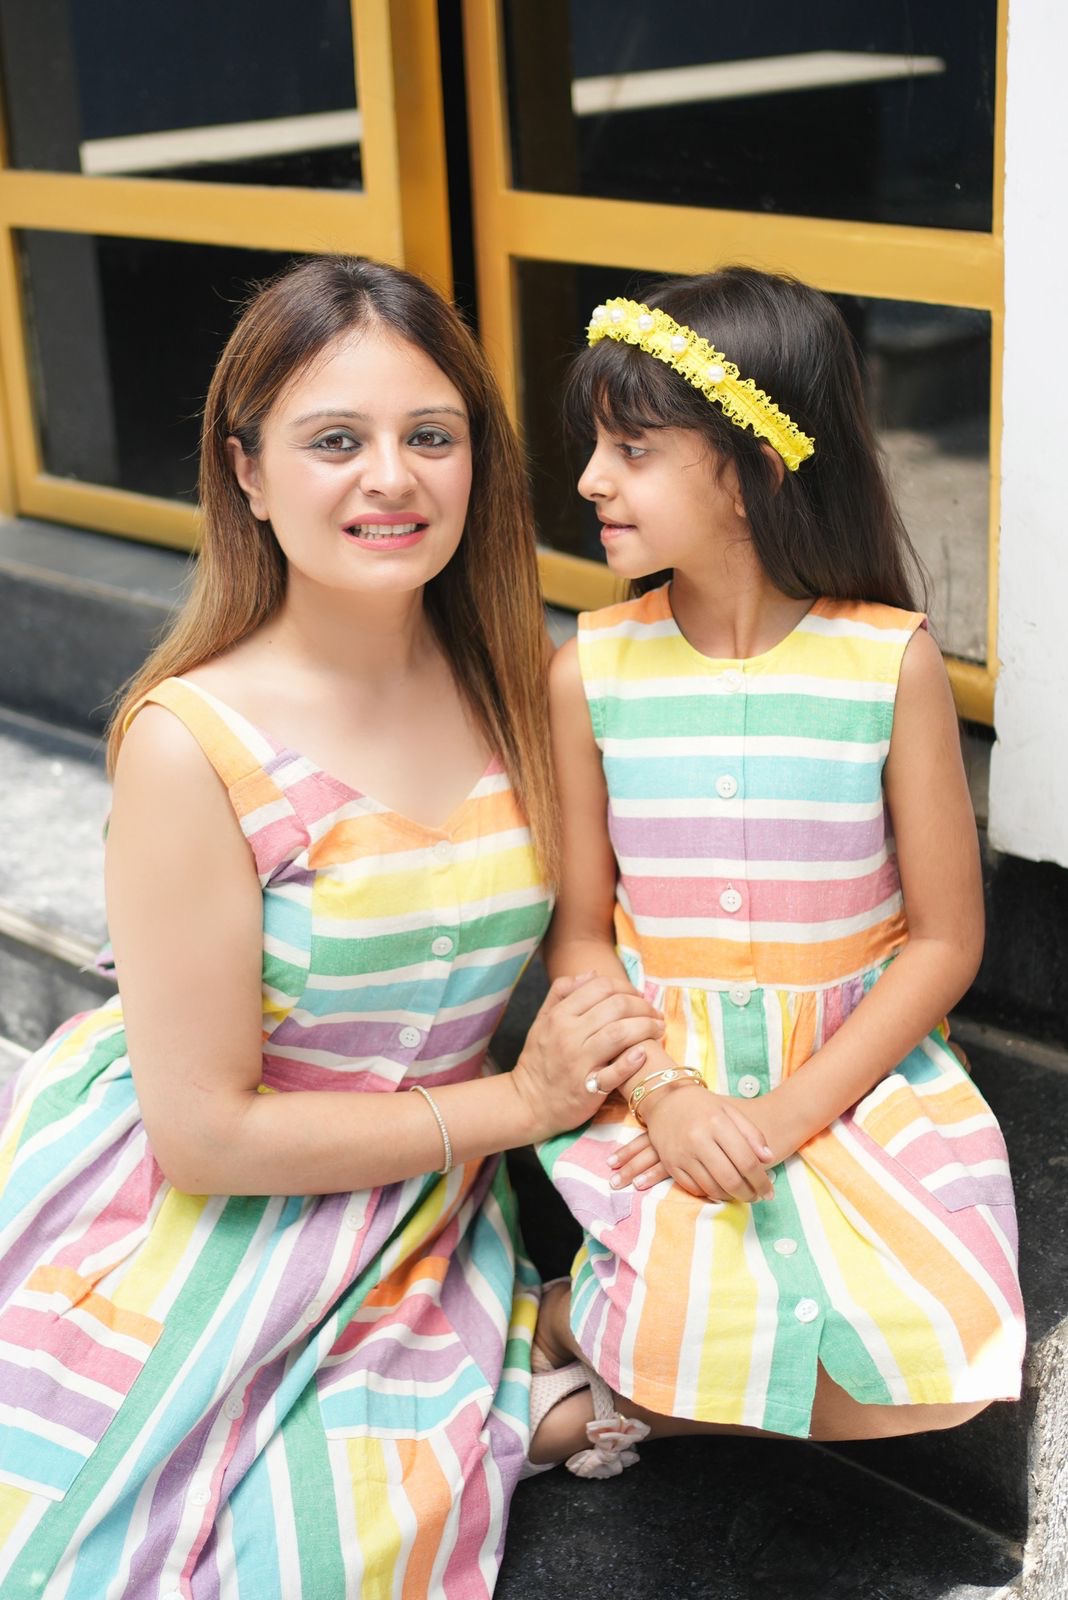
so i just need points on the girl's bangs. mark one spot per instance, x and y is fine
(620, 390)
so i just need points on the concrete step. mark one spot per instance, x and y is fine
(98, 602)
(53, 803)
(746, 1519)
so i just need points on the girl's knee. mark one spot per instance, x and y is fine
(951, 1416)
(836, 1415)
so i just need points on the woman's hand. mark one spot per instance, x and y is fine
(586, 1040)
(704, 1141)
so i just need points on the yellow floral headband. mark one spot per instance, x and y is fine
(706, 369)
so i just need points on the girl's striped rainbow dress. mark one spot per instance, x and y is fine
(758, 902)
(228, 1398)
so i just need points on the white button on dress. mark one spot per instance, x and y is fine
(201, 1496)
(726, 786)
(409, 1037)
(442, 945)
(739, 994)
(442, 851)
(748, 1086)
(733, 680)
(730, 900)
(785, 1247)
(806, 1310)
(234, 1407)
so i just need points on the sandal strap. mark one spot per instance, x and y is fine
(549, 1387)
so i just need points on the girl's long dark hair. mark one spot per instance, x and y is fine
(830, 528)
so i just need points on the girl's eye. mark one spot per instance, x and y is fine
(631, 452)
(432, 438)
(337, 442)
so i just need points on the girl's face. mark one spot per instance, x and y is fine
(364, 467)
(661, 501)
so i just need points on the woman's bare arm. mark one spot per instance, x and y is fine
(185, 916)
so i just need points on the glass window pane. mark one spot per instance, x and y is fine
(875, 113)
(928, 376)
(124, 334)
(250, 91)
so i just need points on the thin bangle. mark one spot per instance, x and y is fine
(446, 1143)
(662, 1079)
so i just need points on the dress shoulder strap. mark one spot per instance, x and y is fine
(606, 650)
(246, 761)
(859, 638)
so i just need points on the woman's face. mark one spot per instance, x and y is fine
(364, 467)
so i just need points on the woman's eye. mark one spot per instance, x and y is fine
(336, 443)
(432, 437)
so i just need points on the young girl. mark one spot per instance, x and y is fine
(798, 1216)
(263, 1327)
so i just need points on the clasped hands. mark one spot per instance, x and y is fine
(706, 1142)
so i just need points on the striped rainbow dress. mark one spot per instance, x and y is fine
(309, 1398)
(758, 901)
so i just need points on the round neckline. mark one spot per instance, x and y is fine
(663, 595)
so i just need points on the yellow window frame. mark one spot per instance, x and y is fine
(938, 266)
(399, 215)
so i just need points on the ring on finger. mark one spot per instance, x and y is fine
(592, 1084)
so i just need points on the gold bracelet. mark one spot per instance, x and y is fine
(446, 1143)
(660, 1080)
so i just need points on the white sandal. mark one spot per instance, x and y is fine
(612, 1436)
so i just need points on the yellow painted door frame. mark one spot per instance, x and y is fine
(938, 266)
(401, 215)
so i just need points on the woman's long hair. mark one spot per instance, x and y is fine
(830, 528)
(485, 605)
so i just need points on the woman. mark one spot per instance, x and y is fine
(264, 1326)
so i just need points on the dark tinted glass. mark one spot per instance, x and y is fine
(928, 377)
(882, 113)
(250, 91)
(124, 334)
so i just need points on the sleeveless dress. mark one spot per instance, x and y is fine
(295, 1398)
(758, 902)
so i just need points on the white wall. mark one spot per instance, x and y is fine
(1029, 768)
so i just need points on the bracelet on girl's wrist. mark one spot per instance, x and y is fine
(663, 1079)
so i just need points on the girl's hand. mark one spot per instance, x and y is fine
(637, 1162)
(704, 1141)
(586, 1040)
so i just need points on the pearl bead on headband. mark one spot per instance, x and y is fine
(706, 369)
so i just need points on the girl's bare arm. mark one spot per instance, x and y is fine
(938, 858)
